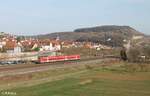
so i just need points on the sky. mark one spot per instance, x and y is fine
(32, 17)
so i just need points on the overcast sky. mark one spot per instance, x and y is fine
(31, 17)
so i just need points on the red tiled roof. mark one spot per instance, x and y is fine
(10, 45)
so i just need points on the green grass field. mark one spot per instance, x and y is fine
(93, 82)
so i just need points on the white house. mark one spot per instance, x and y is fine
(2, 43)
(50, 47)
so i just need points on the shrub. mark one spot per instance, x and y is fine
(146, 50)
(139, 54)
(133, 54)
(36, 49)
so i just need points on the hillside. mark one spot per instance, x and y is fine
(109, 35)
(108, 28)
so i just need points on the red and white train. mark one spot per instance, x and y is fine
(47, 59)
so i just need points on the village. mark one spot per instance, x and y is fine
(13, 48)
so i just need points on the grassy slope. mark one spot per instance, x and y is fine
(94, 82)
(86, 52)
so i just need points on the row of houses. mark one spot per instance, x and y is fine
(12, 45)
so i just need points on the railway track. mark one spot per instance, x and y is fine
(24, 69)
(34, 64)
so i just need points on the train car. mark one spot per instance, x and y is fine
(48, 59)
